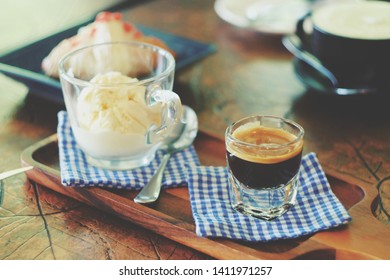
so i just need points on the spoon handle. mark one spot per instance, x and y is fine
(151, 191)
(294, 45)
(14, 172)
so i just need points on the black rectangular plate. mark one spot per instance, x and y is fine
(24, 64)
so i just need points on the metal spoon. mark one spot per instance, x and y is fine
(14, 172)
(294, 45)
(186, 135)
(10, 173)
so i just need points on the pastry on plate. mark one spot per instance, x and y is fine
(107, 27)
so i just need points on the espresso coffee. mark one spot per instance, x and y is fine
(262, 171)
(263, 156)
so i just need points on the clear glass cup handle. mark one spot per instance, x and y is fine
(171, 113)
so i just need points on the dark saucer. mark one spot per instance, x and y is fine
(317, 77)
(316, 81)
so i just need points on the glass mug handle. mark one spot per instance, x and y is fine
(170, 115)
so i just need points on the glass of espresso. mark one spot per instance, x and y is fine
(263, 159)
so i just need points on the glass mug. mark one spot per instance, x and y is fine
(263, 159)
(120, 102)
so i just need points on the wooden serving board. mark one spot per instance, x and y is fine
(364, 238)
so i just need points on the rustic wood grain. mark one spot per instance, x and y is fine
(249, 74)
(171, 215)
(65, 228)
(252, 73)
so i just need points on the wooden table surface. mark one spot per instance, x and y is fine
(250, 73)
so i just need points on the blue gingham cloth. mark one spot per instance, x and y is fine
(317, 208)
(76, 172)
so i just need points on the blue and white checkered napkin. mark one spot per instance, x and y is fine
(317, 208)
(75, 171)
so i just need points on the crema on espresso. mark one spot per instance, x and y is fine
(358, 20)
(264, 170)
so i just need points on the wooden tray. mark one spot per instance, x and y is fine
(364, 238)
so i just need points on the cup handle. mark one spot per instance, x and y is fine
(300, 31)
(297, 44)
(170, 115)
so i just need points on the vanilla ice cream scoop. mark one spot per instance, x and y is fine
(118, 120)
(113, 103)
